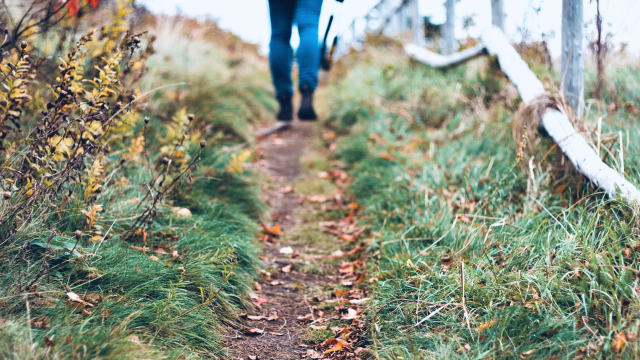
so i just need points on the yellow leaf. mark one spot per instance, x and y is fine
(236, 165)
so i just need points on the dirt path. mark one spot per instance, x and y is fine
(310, 297)
(282, 338)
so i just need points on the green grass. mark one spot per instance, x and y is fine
(148, 304)
(552, 273)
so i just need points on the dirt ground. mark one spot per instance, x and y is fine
(281, 339)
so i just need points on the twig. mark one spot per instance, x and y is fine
(464, 301)
(433, 313)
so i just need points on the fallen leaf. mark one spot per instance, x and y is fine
(305, 319)
(323, 175)
(330, 135)
(529, 352)
(105, 313)
(253, 331)
(346, 269)
(287, 268)
(317, 199)
(135, 339)
(619, 342)
(358, 301)
(286, 189)
(75, 298)
(337, 253)
(318, 327)
(387, 157)
(313, 354)
(275, 282)
(351, 314)
(257, 300)
(286, 250)
(485, 326)
(464, 348)
(49, 342)
(275, 333)
(273, 232)
(257, 286)
(337, 345)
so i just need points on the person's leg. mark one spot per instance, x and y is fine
(280, 53)
(308, 55)
(307, 17)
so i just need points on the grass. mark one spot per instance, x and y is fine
(549, 262)
(171, 289)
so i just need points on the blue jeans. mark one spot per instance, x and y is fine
(306, 14)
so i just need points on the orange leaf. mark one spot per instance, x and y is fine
(94, 3)
(619, 342)
(486, 326)
(387, 157)
(336, 347)
(273, 232)
(72, 7)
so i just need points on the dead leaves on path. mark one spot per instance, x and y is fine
(270, 235)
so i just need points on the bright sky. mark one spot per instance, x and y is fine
(250, 18)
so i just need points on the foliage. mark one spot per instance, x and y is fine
(109, 248)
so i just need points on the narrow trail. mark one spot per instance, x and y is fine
(286, 292)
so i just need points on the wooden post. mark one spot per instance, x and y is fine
(497, 14)
(448, 29)
(572, 80)
(417, 24)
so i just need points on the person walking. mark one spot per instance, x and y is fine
(306, 14)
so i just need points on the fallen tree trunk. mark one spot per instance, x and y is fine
(557, 125)
(442, 61)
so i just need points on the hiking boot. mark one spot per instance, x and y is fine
(286, 108)
(306, 112)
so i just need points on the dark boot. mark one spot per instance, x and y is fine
(306, 111)
(286, 108)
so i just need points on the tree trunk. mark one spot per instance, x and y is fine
(497, 14)
(572, 82)
(417, 24)
(448, 29)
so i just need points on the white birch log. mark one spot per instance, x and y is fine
(557, 125)
(572, 62)
(448, 29)
(441, 61)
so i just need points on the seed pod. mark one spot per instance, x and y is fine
(3, 102)
(146, 119)
(23, 45)
(203, 144)
(190, 117)
(7, 195)
(78, 234)
(165, 160)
